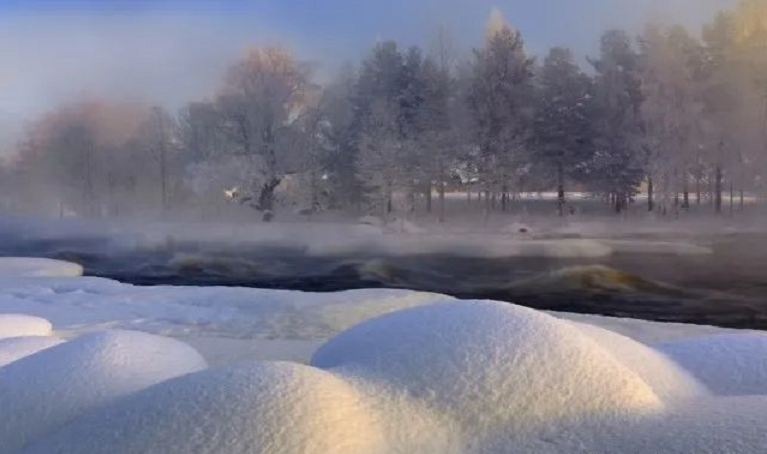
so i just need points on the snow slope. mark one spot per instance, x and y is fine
(16, 325)
(277, 408)
(41, 392)
(428, 375)
(34, 267)
(462, 358)
(730, 365)
(14, 348)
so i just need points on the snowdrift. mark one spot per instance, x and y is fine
(728, 364)
(34, 267)
(446, 378)
(41, 392)
(17, 325)
(14, 348)
(274, 408)
(464, 358)
(666, 378)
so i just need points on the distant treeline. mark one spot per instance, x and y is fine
(683, 116)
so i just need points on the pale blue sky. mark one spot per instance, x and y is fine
(173, 51)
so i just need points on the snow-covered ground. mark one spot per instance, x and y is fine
(373, 371)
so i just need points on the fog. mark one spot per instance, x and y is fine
(176, 52)
(336, 111)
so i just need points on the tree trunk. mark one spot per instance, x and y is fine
(487, 205)
(266, 199)
(718, 190)
(504, 197)
(650, 195)
(427, 193)
(742, 200)
(685, 194)
(163, 162)
(697, 190)
(561, 190)
(441, 201)
(732, 198)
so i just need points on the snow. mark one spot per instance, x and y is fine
(667, 379)
(729, 364)
(14, 348)
(463, 358)
(42, 392)
(275, 408)
(34, 267)
(428, 375)
(17, 325)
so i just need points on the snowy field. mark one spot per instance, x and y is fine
(96, 366)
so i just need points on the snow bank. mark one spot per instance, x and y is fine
(666, 378)
(40, 393)
(33, 267)
(276, 408)
(490, 366)
(87, 304)
(729, 364)
(15, 348)
(17, 325)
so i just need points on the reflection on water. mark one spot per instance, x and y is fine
(727, 287)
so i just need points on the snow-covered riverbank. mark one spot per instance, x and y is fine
(375, 371)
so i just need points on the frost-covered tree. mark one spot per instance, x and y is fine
(563, 119)
(672, 69)
(264, 92)
(499, 98)
(617, 167)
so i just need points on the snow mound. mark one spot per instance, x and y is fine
(15, 348)
(667, 379)
(40, 393)
(34, 267)
(490, 366)
(17, 325)
(264, 408)
(728, 364)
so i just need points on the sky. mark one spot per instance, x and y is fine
(174, 51)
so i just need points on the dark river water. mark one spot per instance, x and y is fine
(726, 288)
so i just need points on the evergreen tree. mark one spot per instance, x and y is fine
(564, 111)
(500, 100)
(617, 167)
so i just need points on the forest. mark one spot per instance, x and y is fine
(669, 121)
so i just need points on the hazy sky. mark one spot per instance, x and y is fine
(173, 51)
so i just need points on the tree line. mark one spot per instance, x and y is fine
(681, 117)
